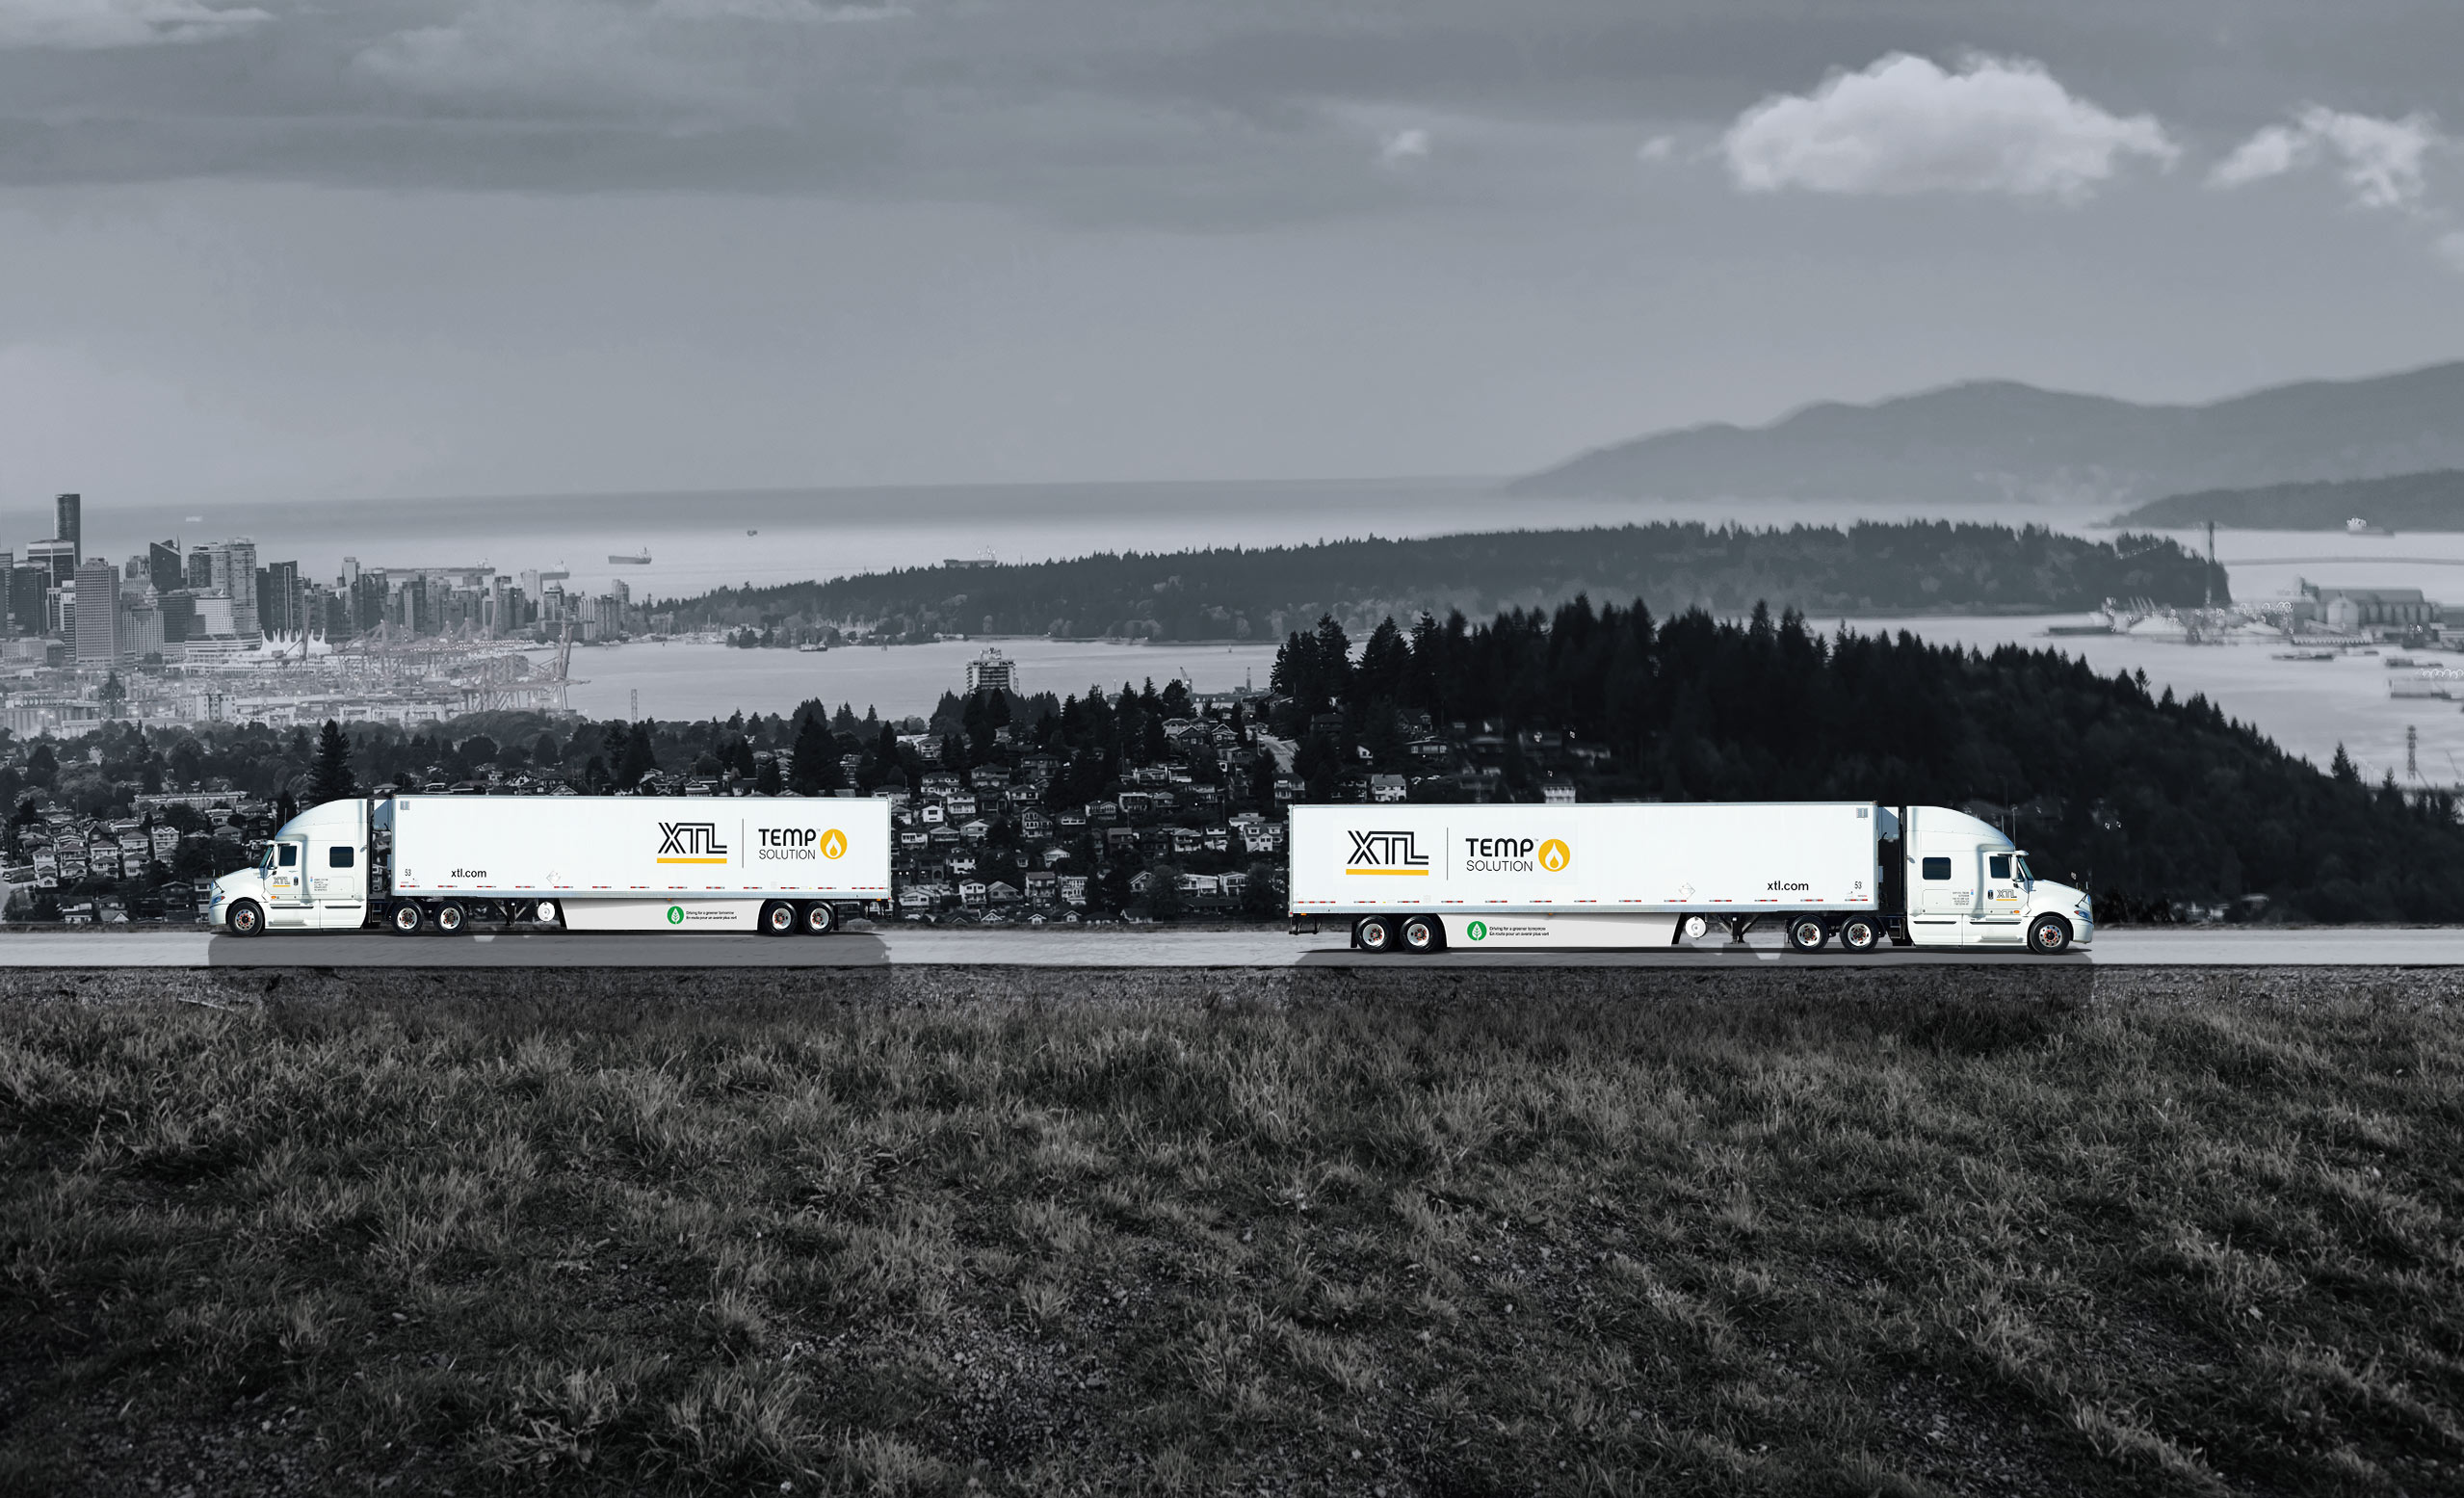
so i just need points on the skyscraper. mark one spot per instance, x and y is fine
(27, 586)
(200, 568)
(68, 525)
(56, 557)
(278, 599)
(163, 563)
(97, 617)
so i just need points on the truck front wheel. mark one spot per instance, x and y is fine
(2049, 935)
(244, 918)
(1374, 935)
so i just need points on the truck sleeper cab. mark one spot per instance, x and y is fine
(1621, 876)
(417, 863)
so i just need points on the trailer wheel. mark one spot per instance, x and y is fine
(449, 919)
(2049, 935)
(778, 919)
(1806, 934)
(244, 918)
(1859, 934)
(820, 918)
(1373, 934)
(1423, 934)
(544, 912)
(406, 917)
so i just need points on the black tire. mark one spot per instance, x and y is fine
(1807, 932)
(1860, 934)
(2049, 935)
(244, 918)
(1422, 933)
(820, 918)
(407, 918)
(778, 919)
(1374, 933)
(451, 918)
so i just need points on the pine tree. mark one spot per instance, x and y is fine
(331, 778)
(815, 753)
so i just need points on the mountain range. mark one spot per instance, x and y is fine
(1999, 440)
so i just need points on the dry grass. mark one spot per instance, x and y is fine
(1468, 1248)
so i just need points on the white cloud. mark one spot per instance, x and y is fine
(2381, 162)
(1905, 125)
(85, 25)
(1660, 147)
(1405, 146)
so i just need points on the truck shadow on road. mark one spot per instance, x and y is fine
(546, 950)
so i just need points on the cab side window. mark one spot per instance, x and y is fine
(339, 858)
(1998, 866)
(289, 855)
(1937, 868)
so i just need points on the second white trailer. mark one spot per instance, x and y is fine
(1653, 874)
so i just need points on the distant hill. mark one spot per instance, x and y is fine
(1999, 440)
(1914, 567)
(2406, 502)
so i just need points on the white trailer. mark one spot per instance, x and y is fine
(412, 863)
(1423, 878)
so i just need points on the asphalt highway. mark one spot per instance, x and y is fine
(907, 946)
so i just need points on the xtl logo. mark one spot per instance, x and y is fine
(1386, 852)
(690, 841)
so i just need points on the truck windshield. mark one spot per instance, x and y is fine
(2025, 876)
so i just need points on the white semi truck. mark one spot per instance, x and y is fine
(589, 863)
(1424, 878)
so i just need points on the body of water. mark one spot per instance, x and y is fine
(701, 540)
(685, 679)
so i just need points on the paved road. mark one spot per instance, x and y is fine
(2439, 947)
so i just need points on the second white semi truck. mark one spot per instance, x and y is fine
(1426, 877)
(412, 863)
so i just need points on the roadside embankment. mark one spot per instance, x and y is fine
(2034, 1228)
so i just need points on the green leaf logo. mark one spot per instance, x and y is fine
(1478, 931)
(675, 915)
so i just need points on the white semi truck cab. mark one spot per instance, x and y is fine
(412, 863)
(1423, 878)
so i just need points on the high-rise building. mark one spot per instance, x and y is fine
(68, 525)
(26, 587)
(349, 573)
(991, 671)
(179, 616)
(162, 565)
(241, 566)
(98, 615)
(56, 557)
(277, 599)
(134, 571)
(200, 568)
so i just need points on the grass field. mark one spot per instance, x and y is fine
(1382, 1248)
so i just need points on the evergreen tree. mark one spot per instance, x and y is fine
(331, 778)
(765, 779)
(816, 751)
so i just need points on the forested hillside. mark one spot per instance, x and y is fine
(2150, 797)
(1916, 567)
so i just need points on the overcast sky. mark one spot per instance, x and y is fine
(468, 247)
